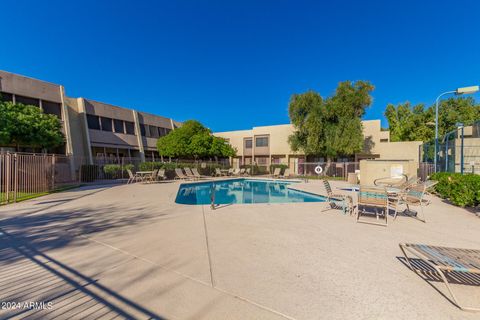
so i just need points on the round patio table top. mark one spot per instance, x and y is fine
(356, 188)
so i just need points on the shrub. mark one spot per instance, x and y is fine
(461, 190)
(114, 171)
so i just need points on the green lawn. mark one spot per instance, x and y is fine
(22, 196)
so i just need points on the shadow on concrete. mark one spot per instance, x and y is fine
(47, 288)
(30, 273)
(57, 229)
(431, 276)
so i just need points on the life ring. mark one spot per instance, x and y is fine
(318, 169)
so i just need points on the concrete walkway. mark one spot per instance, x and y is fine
(130, 251)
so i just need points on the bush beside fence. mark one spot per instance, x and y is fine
(461, 190)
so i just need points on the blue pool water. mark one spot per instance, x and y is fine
(242, 191)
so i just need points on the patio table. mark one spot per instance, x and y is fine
(143, 174)
(356, 188)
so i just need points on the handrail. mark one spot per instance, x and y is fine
(212, 196)
(378, 182)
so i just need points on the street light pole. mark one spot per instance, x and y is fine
(436, 127)
(459, 91)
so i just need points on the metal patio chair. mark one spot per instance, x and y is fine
(337, 200)
(161, 174)
(189, 173)
(133, 177)
(180, 175)
(151, 177)
(447, 262)
(375, 198)
(415, 196)
(276, 173)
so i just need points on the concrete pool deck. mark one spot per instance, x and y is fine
(130, 251)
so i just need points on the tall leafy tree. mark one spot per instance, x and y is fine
(27, 126)
(416, 123)
(330, 127)
(191, 141)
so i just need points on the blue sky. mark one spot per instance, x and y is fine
(235, 64)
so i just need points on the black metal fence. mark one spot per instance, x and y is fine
(24, 176)
(457, 151)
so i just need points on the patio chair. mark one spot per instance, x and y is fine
(375, 198)
(218, 173)
(133, 177)
(242, 172)
(230, 172)
(276, 173)
(180, 175)
(415, 196)
(248, 171)
(448, 263)
(197, 174)
(338, 201)
(189, 173)
(286, 174)
(236, 172)
(152, 177)
(161, 174)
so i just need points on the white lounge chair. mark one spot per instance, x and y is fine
(286, 173)
(180, 175)
(161, 174)
(197, 174)
(189, 173)
(276, 173)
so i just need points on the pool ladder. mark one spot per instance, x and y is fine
(212, 196)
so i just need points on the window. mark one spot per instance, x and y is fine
(27, 101)
(276, 161)
(248, 144)
(118, 125)
(383, 140)
(6, 96)
(261, 142)
(153, 131)
(143, 130)
(93, 122)
(261, 161)
(52, 108)
(161, 132)
(106, 124)
(130, 127)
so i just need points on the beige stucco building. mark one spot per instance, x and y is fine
(269, 145)
(91, 128)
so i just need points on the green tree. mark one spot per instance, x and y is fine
(191, 141)
(28, 126)
(416, 123)
(330, 127)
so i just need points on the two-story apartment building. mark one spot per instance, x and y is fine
(269, 145)
(91, 128)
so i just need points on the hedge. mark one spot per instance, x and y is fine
(114, 171)
(461, 190)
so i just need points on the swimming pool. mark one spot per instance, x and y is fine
(242, 191)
